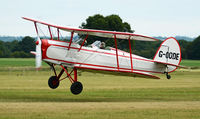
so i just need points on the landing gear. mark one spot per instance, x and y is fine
(76, 87)
(53, 82)
(168, 76)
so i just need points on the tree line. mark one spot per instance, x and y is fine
(190, 50)
(21, 49)
(17, 49)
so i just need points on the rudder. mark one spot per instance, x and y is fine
(169, 52)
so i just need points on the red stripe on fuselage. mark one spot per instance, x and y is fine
(101, 52)
(45, 46)
(103, 66)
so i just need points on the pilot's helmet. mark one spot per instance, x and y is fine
(103, 45)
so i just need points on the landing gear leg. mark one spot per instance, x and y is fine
(168, 76)
(76, 87)
(54, 81)
(166, 72)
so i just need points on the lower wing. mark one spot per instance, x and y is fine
(120, 73)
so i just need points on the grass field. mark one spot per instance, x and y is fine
(191, 63)
(30, 62)
(25, 93)
(18, 62)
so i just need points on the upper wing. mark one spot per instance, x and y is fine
(100, 33)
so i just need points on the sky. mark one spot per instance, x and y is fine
(147, 17)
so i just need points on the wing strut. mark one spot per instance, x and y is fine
(116, 52)
(72, 34)
(36, 28)
(58, 33)
(83, 42)
(50, 32)
(100, 33)
(129, 42)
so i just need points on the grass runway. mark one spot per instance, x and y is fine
(24, 94)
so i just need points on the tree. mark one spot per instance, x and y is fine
(146, 49)
(20, 54)
(183, 44)
(111, 23)
(22, 48)
(193, 49)
(115, 23)
(4, 49)
(1, 49)
(27, 44)
(96, 22)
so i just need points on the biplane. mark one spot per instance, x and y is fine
(76, 56)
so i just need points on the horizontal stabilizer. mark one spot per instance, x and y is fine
(164, 63)
(33, 52)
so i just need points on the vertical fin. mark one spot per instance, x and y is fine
(169, 52)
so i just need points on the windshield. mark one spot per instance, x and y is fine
(96, 44)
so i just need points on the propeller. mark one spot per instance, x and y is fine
(38, 55)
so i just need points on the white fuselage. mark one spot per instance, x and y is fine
(58, 52)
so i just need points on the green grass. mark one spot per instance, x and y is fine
(24, 94)
(191, 63)
(30, 62)
(18, 62)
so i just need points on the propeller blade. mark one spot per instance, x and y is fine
(38, 56)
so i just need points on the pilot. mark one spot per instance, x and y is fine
(103, 45)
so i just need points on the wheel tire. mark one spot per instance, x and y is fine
(168, 77)
(76, 88)
(53, 82)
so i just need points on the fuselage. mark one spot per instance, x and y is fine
(58, 52)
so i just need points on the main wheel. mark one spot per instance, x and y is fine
(53, 82)
(76, 88)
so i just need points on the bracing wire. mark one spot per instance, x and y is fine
(41, 31)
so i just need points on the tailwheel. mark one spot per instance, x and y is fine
(76, 88)
(168, 76)
(53, 82)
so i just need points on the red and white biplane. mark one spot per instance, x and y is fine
(75, 56)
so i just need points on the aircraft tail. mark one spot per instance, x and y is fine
(169, 52)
